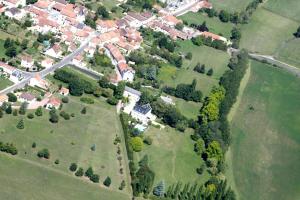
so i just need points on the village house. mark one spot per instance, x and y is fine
(3, 98)
(64, 91)
(214, 37)
(106, 25)
(47, 62)
(14, 13)
(143, 113)
(12, 73)
(14, 3)
(37, 81)
(132, 96)
(79, 61)
(28, 63)
(53, 102)
(55, 51)
(26, 97)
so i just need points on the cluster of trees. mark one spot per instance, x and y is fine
(44, 153)
(8, 148)
(202, 40)
(185, 91)
(142, 178)
(212, 189)
(140, 4)
(236, 17)
(14, 47)
(101, 60)
(172, 58)
(236, 36)
(202, 27)
(46, 37)
(53, 115)
(201, 69)
(88, 173)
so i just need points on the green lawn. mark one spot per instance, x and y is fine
(171, 156)
(2, 49)
(230, 5)
(215, 59)
(289, 52)
(267, 32)
(23, 180)
(266, 141)
(70, 140)
(214, 24)
(4, 83)
(286, 8)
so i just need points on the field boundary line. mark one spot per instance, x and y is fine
(269, 10)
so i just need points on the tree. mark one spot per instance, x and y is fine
(107, 181)
(1, 113)
(297, 33)
(23, 108)
(94, 178)
(224, 16)
(119, 90)
(214, 150)
(8, 109)
(159, 190)
(56, 161)
(65, 99)
(33, 145)
(76, 87)
(79, 172)
(122, 185)
(102, 12)
(83, 111)
(73, 167)
(44, 153)
(39, 111)
(89, 172)
(199, 146)
(210, 72)
(20, 124)
(11, 51)
(30, 2)
(30, 116)
(53, 116)
(137, 144)
(189, 56)
(12, 97)
(203, 27)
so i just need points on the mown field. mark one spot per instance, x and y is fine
(266, 32)
(266, 142)
(289, 52)
(230, 5)
(214, 24)
(4, 83)
(171, 156)
(23, 180)
(286, 8)
(69, 141)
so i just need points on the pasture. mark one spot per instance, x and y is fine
(214, 24)
(289, 52)
(171, 156)
(230, 5)
(70, 140)
(264, 155)
(267, 32)
(287, 8)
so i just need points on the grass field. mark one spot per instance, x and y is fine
(266, 141)
(23, 179)
(286, 8)
(4, 83)
(289, 52)
(214, 24)
(171, 156)
(215, 59)
(267, 32)
(70, 141)
(230, 5)
(2, 49)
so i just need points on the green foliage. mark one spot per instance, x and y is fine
(89, 172)
(79, 172)
(94, 178)
(65, 100)
(33, 145)
(30, 116)
(83, 111)
(136, 144)
(65, 115)
(12, 97)
(73, 167)
(53, 116)
(8, 148)
(107, 181)
(20, 124)
(56, 162)
(297, 33)
(39, 111)
(122, 185)
(214, 150)
(199, 146)
(102, 12)
(87, 100)
(159, 190)
(44, 153)
(8, 110)
(23, 108)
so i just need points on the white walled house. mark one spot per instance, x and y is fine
(55, 51)
(48, 62)
(28, 63)
(143, 113)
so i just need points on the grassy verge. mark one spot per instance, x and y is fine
(4, 83)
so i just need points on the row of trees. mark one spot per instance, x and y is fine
(185, 91)
(236, 17)
(208, 41)
(201, 69)
(8, 148)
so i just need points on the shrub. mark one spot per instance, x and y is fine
(33, 145)
(122, 186)
(107, 181)
(112, 101)
(15, 112)
(136, 143)
(39, 111)
(65, 115)
(56, 162)
(73, 167)
(79, 172)
(12, 97)
(87, 100)
(95, 178)
(20, 124)
(65, 100)
(8, 148)
(30, 116)
(83, 111)
(210, 72)
(44, 153)
(89, 172)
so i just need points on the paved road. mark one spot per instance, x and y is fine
(185, 9)
(65, 61)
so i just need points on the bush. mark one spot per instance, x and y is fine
(65, 115)
(73, 167)
(30, 116)
(44, 153)
(210, 72)
(122, 186)
(79, 172)
(12, 97)
(95, 178)
(20, 124)
(87, 100)
(83, 111)
(107, 182)
(39, 111)
(65, 100)
(136, 143)
(8, 148)
(33, 145)
(56, 162)
(89, 172)
(148, 140)
(112, 101)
